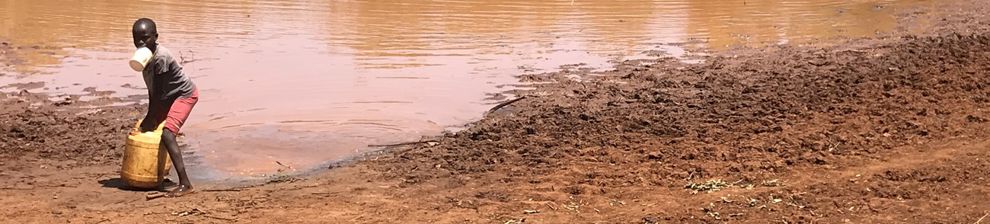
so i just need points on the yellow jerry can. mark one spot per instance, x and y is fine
(142, 158)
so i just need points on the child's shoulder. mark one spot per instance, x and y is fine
(163, 54)
(163, 51)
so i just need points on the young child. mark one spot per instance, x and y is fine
(171, 96)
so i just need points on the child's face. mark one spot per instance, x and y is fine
(143, 39)
(145, 34)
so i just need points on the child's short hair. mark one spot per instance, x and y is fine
(143, 24)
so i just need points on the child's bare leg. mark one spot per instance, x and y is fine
(168, 139)
(161, 166)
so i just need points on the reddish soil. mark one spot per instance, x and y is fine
(840, 134)
(887, 130)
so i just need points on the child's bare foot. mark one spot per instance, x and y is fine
(180, 191)
(167, 183)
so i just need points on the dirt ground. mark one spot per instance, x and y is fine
(882, 130)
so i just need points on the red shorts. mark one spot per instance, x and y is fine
(179, 111)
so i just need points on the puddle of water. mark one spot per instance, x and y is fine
(306, 82)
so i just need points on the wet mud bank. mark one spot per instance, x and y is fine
(789, 107)
(65, 132)
(782, 121)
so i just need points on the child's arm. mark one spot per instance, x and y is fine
(149, 123)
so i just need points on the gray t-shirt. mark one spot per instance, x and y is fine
(165, 80)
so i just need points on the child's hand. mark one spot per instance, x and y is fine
(146, 126)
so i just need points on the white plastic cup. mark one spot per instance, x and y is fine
(140, 59)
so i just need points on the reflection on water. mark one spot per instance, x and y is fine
(303, 82)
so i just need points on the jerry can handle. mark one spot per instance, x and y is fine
(137, 126)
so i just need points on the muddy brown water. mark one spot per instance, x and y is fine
(288, 86)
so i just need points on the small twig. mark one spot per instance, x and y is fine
(283, 165)
(981, 218)
(182, 58)
(506, 103)
(15, 188)
(154, 196)
(218, 217)
(106, 153)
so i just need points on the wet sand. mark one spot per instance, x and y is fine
(889, 129)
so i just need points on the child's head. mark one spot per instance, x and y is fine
(145, 33)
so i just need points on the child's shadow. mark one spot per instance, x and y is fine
(118, 183)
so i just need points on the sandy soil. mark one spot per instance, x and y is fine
(883, 130)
